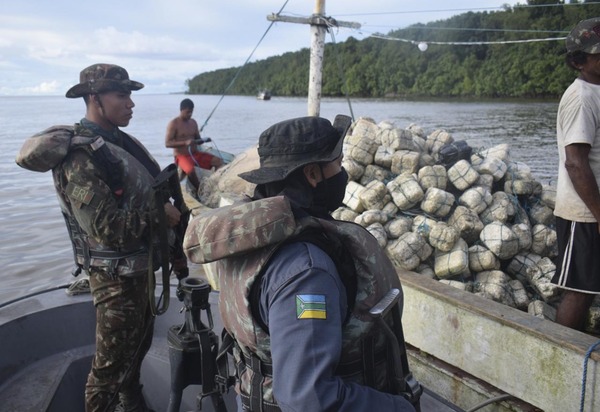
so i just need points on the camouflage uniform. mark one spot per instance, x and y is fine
(104, 185)
(119, 287)
(264, 266)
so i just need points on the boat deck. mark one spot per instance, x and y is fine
(48, 345)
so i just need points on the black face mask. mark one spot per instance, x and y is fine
(329, 193)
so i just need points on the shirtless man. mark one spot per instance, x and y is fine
(183, 136)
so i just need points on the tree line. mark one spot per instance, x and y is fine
(476, 59)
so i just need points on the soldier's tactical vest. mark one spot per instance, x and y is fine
(242, 239)
(130, 182)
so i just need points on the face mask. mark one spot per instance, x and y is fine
(330, 192)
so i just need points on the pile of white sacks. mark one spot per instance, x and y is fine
(474, 219)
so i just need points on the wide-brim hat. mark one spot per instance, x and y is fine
(585, 37)
(291, 144)
(102, 77)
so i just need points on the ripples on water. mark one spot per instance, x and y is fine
(35, 252)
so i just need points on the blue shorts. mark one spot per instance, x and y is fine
(578, 261)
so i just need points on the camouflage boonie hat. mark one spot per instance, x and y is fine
(291, 144)
(101, 77)
(585, 37)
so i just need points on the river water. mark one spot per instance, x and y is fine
(35, 253)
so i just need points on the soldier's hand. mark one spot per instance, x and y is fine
(173, 214)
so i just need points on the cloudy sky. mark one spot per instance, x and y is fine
(44, 44)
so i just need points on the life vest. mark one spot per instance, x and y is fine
(129, 181)
(242, 239)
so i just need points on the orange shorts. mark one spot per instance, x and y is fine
(200, 159)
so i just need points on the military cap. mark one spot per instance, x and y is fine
(291, 144)
(102, 77)
(585, 37)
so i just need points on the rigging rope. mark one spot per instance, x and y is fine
(330, 25)
(240, 69)
(503, 7)
(464, 43)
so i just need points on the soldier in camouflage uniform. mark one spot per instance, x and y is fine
(296, 286)
(105, 193)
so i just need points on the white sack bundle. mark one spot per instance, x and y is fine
(408, 251)
(462, 175)
(500, 239)
(406, 191)
(405, 161)
(476, 198)
(352, 196)
(398, 226)
(433, 176)
(375, 195)
(437, 202)
(454, 262)
(443, 237)
(482, 259)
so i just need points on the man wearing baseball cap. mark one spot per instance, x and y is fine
(578, 197)
(296, 286)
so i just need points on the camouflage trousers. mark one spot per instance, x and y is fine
(124, 328)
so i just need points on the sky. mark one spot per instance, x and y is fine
(162, 43)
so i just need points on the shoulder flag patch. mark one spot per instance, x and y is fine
(311, 307)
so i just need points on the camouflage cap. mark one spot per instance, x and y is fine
(585, 37)
(101, 77)
(291, 144)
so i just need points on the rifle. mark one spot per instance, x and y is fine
(404, 382)
(166, 187)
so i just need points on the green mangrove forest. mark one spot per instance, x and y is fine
(516, 52)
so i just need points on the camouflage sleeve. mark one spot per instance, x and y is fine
(97, 209)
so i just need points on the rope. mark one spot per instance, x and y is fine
(10, 302)
(241, 68)
(584, 378)
(465, 43)
(192, 155)
(330, 25)
(489, 402)
(219, 154)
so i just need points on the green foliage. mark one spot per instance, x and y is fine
(376, 67)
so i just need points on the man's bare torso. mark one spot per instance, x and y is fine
(181, 130)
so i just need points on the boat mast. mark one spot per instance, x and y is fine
(317, 51)
(318, 28)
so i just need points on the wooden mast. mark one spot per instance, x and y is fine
(318, 28)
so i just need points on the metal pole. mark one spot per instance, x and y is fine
(317, 51)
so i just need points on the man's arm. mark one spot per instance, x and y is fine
(98, 212)
(581, 175)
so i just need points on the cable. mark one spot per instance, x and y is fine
(465, 43)
(10, 302)
(489, 402)
(240, 69)
(584, 377)
(517, 6)
(433, 28)
(341, 69)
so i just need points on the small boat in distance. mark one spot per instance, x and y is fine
(264, 94)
